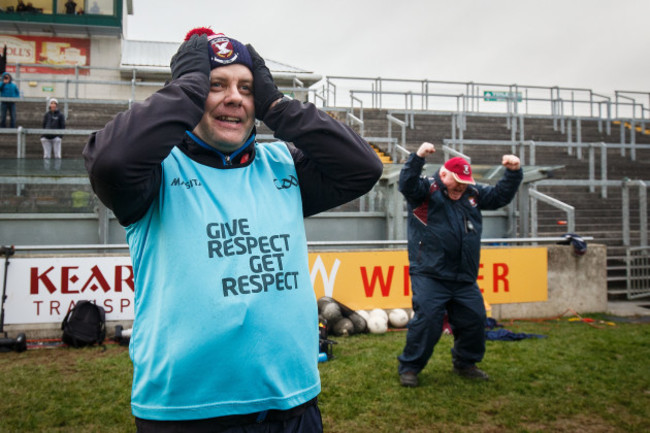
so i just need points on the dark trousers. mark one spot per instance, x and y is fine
(11, 108)
(464, 305)
(308, 421)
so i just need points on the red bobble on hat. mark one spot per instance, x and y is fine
(199, 31)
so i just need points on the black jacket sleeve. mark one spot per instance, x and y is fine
(123, 159)
(334, 164)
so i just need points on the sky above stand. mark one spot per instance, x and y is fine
(594, 44)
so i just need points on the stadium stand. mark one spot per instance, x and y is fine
(600, 217)
(596, 216)
(567, 128)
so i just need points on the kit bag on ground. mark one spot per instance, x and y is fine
(84, 325)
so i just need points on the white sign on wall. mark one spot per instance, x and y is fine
(43, 290)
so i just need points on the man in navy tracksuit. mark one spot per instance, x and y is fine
(444, 241)
(225, 334)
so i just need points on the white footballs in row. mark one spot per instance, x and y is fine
(378, 319)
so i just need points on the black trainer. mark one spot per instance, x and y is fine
(472, 372)
(409, 379)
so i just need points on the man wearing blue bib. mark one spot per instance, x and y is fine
(225, 336)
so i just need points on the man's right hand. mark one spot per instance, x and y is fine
(192, 56)
(426, 149)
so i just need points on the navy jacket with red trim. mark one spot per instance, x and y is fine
(444, 235)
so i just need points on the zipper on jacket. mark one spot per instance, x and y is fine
(228, 162)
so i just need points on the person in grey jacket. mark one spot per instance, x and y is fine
(53, 119)
(225, 335)
(444, 242)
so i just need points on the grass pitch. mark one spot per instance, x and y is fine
(584, 377)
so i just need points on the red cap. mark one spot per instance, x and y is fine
(460, 170)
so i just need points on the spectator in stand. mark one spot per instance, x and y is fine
(8, 90)
(21, 6)
(70, 7)
(53, 119)
(3, 60)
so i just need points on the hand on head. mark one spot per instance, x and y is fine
(203, 50)
(426, 149)
(264, 88)
(511, 162)
(192, 56)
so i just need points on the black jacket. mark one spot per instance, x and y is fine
(334, 165)
(444, 235)
(53, 120)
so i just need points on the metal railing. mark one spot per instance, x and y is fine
(22, 134)
(564, 105)
(383, 93)
(513, 99)
(637, 272)
(310, 244)
(536, 196)
(449, 151)
(87, 82)
(643, 210)
(518, 147)
(626, 202)
(517, 141)
(525, 218)
(402, 144)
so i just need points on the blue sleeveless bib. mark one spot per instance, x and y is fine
(226, 320)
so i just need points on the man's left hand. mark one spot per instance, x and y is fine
(265, 92)
(511, 162)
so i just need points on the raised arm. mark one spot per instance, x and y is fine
(123, 159)
(412, 185)
(504, 191)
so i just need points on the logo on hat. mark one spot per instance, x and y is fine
(223, 50)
